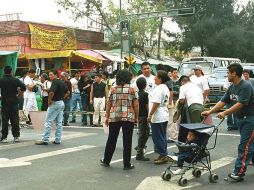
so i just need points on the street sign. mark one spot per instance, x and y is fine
(169, 13)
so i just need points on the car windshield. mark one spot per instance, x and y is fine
(219, 75)
(187, 68)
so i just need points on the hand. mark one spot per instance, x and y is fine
(91, 101)
(50, 103)
(135, 121)
(106, 122)
(206, 113)
(149, 118)
(221, 115)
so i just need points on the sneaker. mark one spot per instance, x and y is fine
(54, 142)
(16, 139)
(4, 140)
(162, 160)
(41, 143)
(131, 166)
(103, 163)
(179, 171)
(159, 157)
(235, 177)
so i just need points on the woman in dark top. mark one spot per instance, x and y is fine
(121, 112)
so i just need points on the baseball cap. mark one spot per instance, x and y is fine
(198, 67)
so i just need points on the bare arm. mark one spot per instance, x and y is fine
(205, 94)
(154, 109)
(91, 94)
(136, 109)
(51, 95)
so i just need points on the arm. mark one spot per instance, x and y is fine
(106, 91)
(205, 94)
(107, 114)
(170, 99)
(154, 109)
(91, 94)
(66, 95)
(216, 108)
(50, 97)
(136, 109)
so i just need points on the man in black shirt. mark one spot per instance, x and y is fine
(240, 95)
(57, 93)
(10, 88)
(97, 98)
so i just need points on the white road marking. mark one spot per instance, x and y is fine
(22, 161)
(228, 134)
(67, 136)
(155, 182)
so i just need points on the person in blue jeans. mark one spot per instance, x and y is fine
(58, 91)
(240, 95)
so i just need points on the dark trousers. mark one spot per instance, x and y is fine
(10, 113)
(246, 146)
(184, 156)
(67, 108)
(143, 133)
(114, 128)
(86, 106)
(44, 105)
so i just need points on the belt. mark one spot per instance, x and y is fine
(100, 97)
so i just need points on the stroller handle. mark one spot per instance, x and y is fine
(221, 121)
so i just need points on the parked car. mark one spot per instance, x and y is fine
(216, 82)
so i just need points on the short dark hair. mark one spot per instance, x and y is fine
(98, 75)
(145, 63)
(31, 71)
(54, 72)
(237, 68)
(141, 83)
(184, 78)
(44, 75)
(7, 70)
(123, 77)
(246, 71)
(105, 73)
(174, 69)
(163, 76)
(24, 73)
(76, 71)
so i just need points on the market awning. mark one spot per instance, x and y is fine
(53, 54)
(90, 55)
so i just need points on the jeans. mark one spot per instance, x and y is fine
(54, 113)
(114, 128)
(246, 146)
(86, 106)
(67, 108)
(10, 113)
(159, 136)
(75, 101)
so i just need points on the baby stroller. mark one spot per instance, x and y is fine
(200, 155)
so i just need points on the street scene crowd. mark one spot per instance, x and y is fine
(156, 104)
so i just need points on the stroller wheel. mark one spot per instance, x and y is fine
(213, 178)
(182, 182)
(196, 172)
(166, 176)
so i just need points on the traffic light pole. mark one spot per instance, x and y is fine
(120, 31)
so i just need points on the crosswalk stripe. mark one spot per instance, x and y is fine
(155, 182)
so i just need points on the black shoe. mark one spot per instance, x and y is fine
(41, 143)
(54, 142)
(103, 163)
(94, 125)
(72, 121)
(229, 129)
(85, 123)
(66, 124)
(129, 167)
(170, 141)
(142, 158)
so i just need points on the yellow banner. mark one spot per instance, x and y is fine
(52, 40)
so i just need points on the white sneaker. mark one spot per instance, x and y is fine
(4, 140)
(179, 171)
(16, 139)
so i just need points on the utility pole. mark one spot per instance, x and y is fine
(120, 28)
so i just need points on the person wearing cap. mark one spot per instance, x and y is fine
(199, 79)
(67, 99)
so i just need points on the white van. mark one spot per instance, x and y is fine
(208, 64)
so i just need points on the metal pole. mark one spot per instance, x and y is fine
(120, 31)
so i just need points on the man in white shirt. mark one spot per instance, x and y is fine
(147, 74)
(200, 81)
(30, 103)
(75, 98)
(192, 94)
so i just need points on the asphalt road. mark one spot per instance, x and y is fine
(74, 164)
